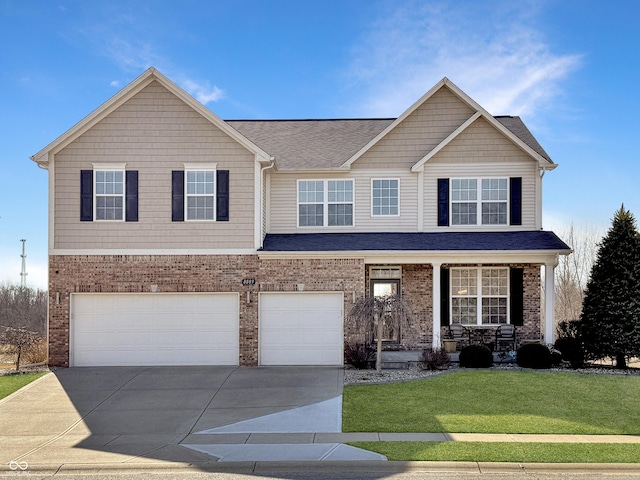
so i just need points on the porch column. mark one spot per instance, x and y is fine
(436, 304)
(549, 296)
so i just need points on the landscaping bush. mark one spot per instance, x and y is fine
(36, 352)
(359, 355)
(571, 350)
(476, 356)
(434, 359)
(534, 355)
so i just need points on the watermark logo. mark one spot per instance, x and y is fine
(18, 466)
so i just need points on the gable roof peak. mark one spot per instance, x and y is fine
(134, 87)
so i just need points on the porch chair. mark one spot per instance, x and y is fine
(506, 334)
(460, 334)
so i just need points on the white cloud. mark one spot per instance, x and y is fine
(489, 49)
(203, 92)
(115, 83)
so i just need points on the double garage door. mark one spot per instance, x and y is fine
(203, 329)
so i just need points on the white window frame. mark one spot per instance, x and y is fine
(373, 214)
(479, 295)
(109, 167)
(325, 202)
(203, 167)
(479, 201)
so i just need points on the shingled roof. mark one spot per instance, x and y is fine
(311, 144)
(328, 143)
(438, 241)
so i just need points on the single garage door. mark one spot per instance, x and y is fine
(154, 329)
(302, 328)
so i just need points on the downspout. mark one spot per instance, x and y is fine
(263, 212)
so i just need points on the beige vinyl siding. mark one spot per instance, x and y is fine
(154, 133)
(526, 170)
(481, 151)
(418, 134)
(283, 202)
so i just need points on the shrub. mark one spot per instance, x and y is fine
(434, 360)
(36, 352)
(476, 356)
(359, 355)
(534, 355)
(571, 350)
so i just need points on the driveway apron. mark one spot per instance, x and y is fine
(176, 414)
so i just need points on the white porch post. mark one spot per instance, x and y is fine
(436, 305)
(549, 296)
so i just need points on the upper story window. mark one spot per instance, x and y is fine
(479, 296)
(385, 197)
(480, 201)
(325, 203)
(201, 194)
(109, 193)
(487, 207)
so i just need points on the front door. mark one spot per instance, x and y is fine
(390, 329)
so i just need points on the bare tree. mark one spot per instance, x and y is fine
(23, 307)
(572, 272)
(370, 315)
(20, 340)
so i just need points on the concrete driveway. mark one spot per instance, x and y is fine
(177, 414)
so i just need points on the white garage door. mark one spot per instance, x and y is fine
(154, 329)
(303, 328)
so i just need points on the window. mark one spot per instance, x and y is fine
(201, 194)
(385, 197)
(479, 296)
(323, 203)
(488, 208)
(109, 194)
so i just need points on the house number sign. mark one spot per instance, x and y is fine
(248, 281)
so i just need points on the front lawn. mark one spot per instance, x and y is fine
(506, 452)
(490, 401)
(12, 383)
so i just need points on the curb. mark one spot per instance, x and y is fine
(273, 468)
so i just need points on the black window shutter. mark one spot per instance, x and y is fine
(516, 201)
(177, 196)
(443, 202)
(86, 195)
(131, 211)
(222, 195)
(516, 276)
(444, 297)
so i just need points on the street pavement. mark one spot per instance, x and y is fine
(243, 419)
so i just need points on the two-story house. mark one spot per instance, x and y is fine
(178, 238)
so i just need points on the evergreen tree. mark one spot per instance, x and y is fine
(610, 321)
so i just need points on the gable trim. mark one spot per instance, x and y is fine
(137, 85)
(420, 164)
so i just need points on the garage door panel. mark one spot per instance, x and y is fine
(155, 329)
(302, 328)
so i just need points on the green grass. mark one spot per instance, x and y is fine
(11, 383)
(488, 401)
(506, 452)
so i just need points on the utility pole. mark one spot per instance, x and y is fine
(23, 273)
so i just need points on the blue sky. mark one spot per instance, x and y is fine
(569, 68)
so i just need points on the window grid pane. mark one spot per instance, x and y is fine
(340, 215)
(109, 194)
(487, 287)
(494, 201)
(310, 215)
(385, 197)
(464, 196)
(200, 194)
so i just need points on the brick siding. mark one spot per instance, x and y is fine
(224, 273)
